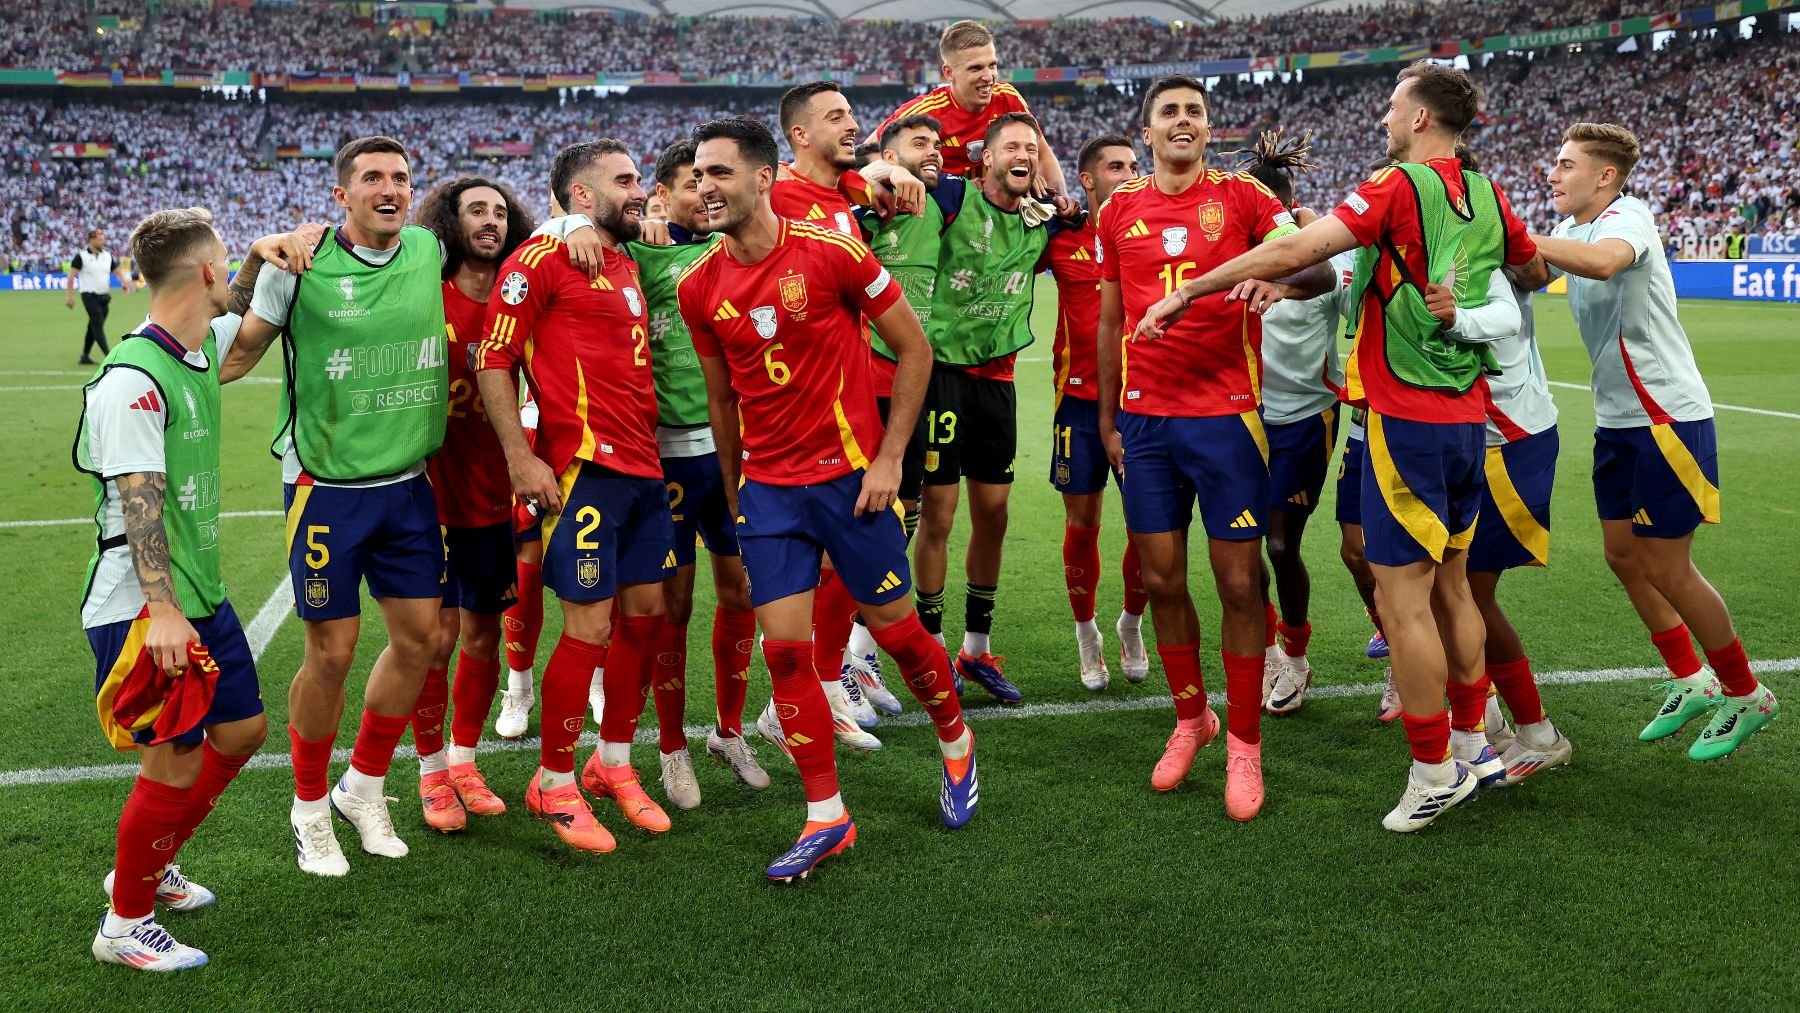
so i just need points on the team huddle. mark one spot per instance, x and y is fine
(801, 367)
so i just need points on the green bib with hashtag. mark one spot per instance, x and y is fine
(675, 368)
(366, 370)
(909, 246)
(981, 309)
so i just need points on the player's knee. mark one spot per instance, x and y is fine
(678, 605)
(481, 640)
(1160, 584)
(240, 738)
(1240, 592)
(330, 658)
(1351, 552)
(1624, 562)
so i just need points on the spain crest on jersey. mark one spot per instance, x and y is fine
(793, 292)
(632, 301)
(1212, 219)
(1174, 240)
(764, 319)
(587, 571)
(318, 591)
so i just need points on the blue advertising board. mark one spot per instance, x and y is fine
(1760, 280)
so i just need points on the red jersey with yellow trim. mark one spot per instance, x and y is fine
(1071, 260)
(1384, 213)
(1210, 361)
(962, 127)
(800, 199)
(469, 474)
(789, 328)
(585, 349)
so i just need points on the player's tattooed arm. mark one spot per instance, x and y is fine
(141, 497)
(289, 251)
(254, 337)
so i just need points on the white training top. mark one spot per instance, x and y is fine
(125, 418)
(1301, 373)
(93, 271)
(1519, 402)
(1644, 371)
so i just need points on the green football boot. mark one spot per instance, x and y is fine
(1737, 718)
(1688, 699)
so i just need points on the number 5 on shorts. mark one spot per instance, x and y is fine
(318, 554)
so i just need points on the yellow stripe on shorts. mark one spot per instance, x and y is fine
(1253, 422)
(1681, 461)
(122, 665)
(1425, 526)
(1518, 517)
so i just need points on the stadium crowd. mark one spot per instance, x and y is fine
(355, 37)
(1722, 135)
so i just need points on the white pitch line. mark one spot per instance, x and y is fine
(274, 612)
(65, 521)
(1726, 407)
(911, 719)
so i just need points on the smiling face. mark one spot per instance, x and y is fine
(1112, 165)
(481, 214)
(828, 130)
(972, 73)
(730, 187)
(610, 192)
(1404, 120)
(378, 196)
(681, 202)
(1178, 128)
(1012, 160)
(919, 151)
(1581, 184)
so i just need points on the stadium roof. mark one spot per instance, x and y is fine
(943, 10)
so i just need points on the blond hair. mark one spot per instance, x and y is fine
(169, 239)
(1608, 142)
(963, 35)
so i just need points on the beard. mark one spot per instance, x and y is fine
(612, 218)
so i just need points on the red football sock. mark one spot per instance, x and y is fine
(1429, 736)
(1732, 666)
(1518, 687)
(477, 680)
(927, 670)
(564, 696)
(628, 670)
(428, 712)
(1677, 649)
(805, 716)
(834, 613)
(312, 764)
(375, 742)
(668, 680)
(149, 833)
(1294, 639)
(1468, 704)
(734, 637)
(216, 774)
(1081, 569)
(1243, 696)
(1375, 617)
(1136, 598)
(524, 622)
(1270, 621)
(1182, 666)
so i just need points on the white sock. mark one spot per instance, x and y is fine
(1087, 633)
(461, 754)
(1494, 718)
(975, 644)
(959, 748)
(117, 926)
(548, 779)
(828, 811)
(598, 683)
(369, 789)
(317, 807)
(615, 754)
(1540, 734)
(1127, 621)
(517, 681)
(433, 763)
(862, 642)
(939, 637)
(1696, 680)
(1438, 775)
(1466, 745)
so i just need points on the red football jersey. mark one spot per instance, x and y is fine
(796, 197)
(789, 328)
(962, 127)
(1070, 260)
(1210, 362)
(585, 349)
(1384, 212)
(469, 474)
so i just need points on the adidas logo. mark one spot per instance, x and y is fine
(669, 561)
(1080, 253)
(1300, 499)
(601, 284)
(1191, 691)
(815, 213)
(1641, 517)
(726, 311)
(1244, 520)
(888, 584)
(1138, 228)
(147, 403)
(797, 739)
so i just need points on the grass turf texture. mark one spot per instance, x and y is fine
(1077, 886)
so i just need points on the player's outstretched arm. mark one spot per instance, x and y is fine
(1531, 275)
(722, 412)
(1599, 261)
(141, 501)
(254, 337)
(1271, 261)
(1106, 353)
(900, 328)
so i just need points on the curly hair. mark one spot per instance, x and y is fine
(1274, 161)
(441, 211)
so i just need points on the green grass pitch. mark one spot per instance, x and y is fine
(1632, 879)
